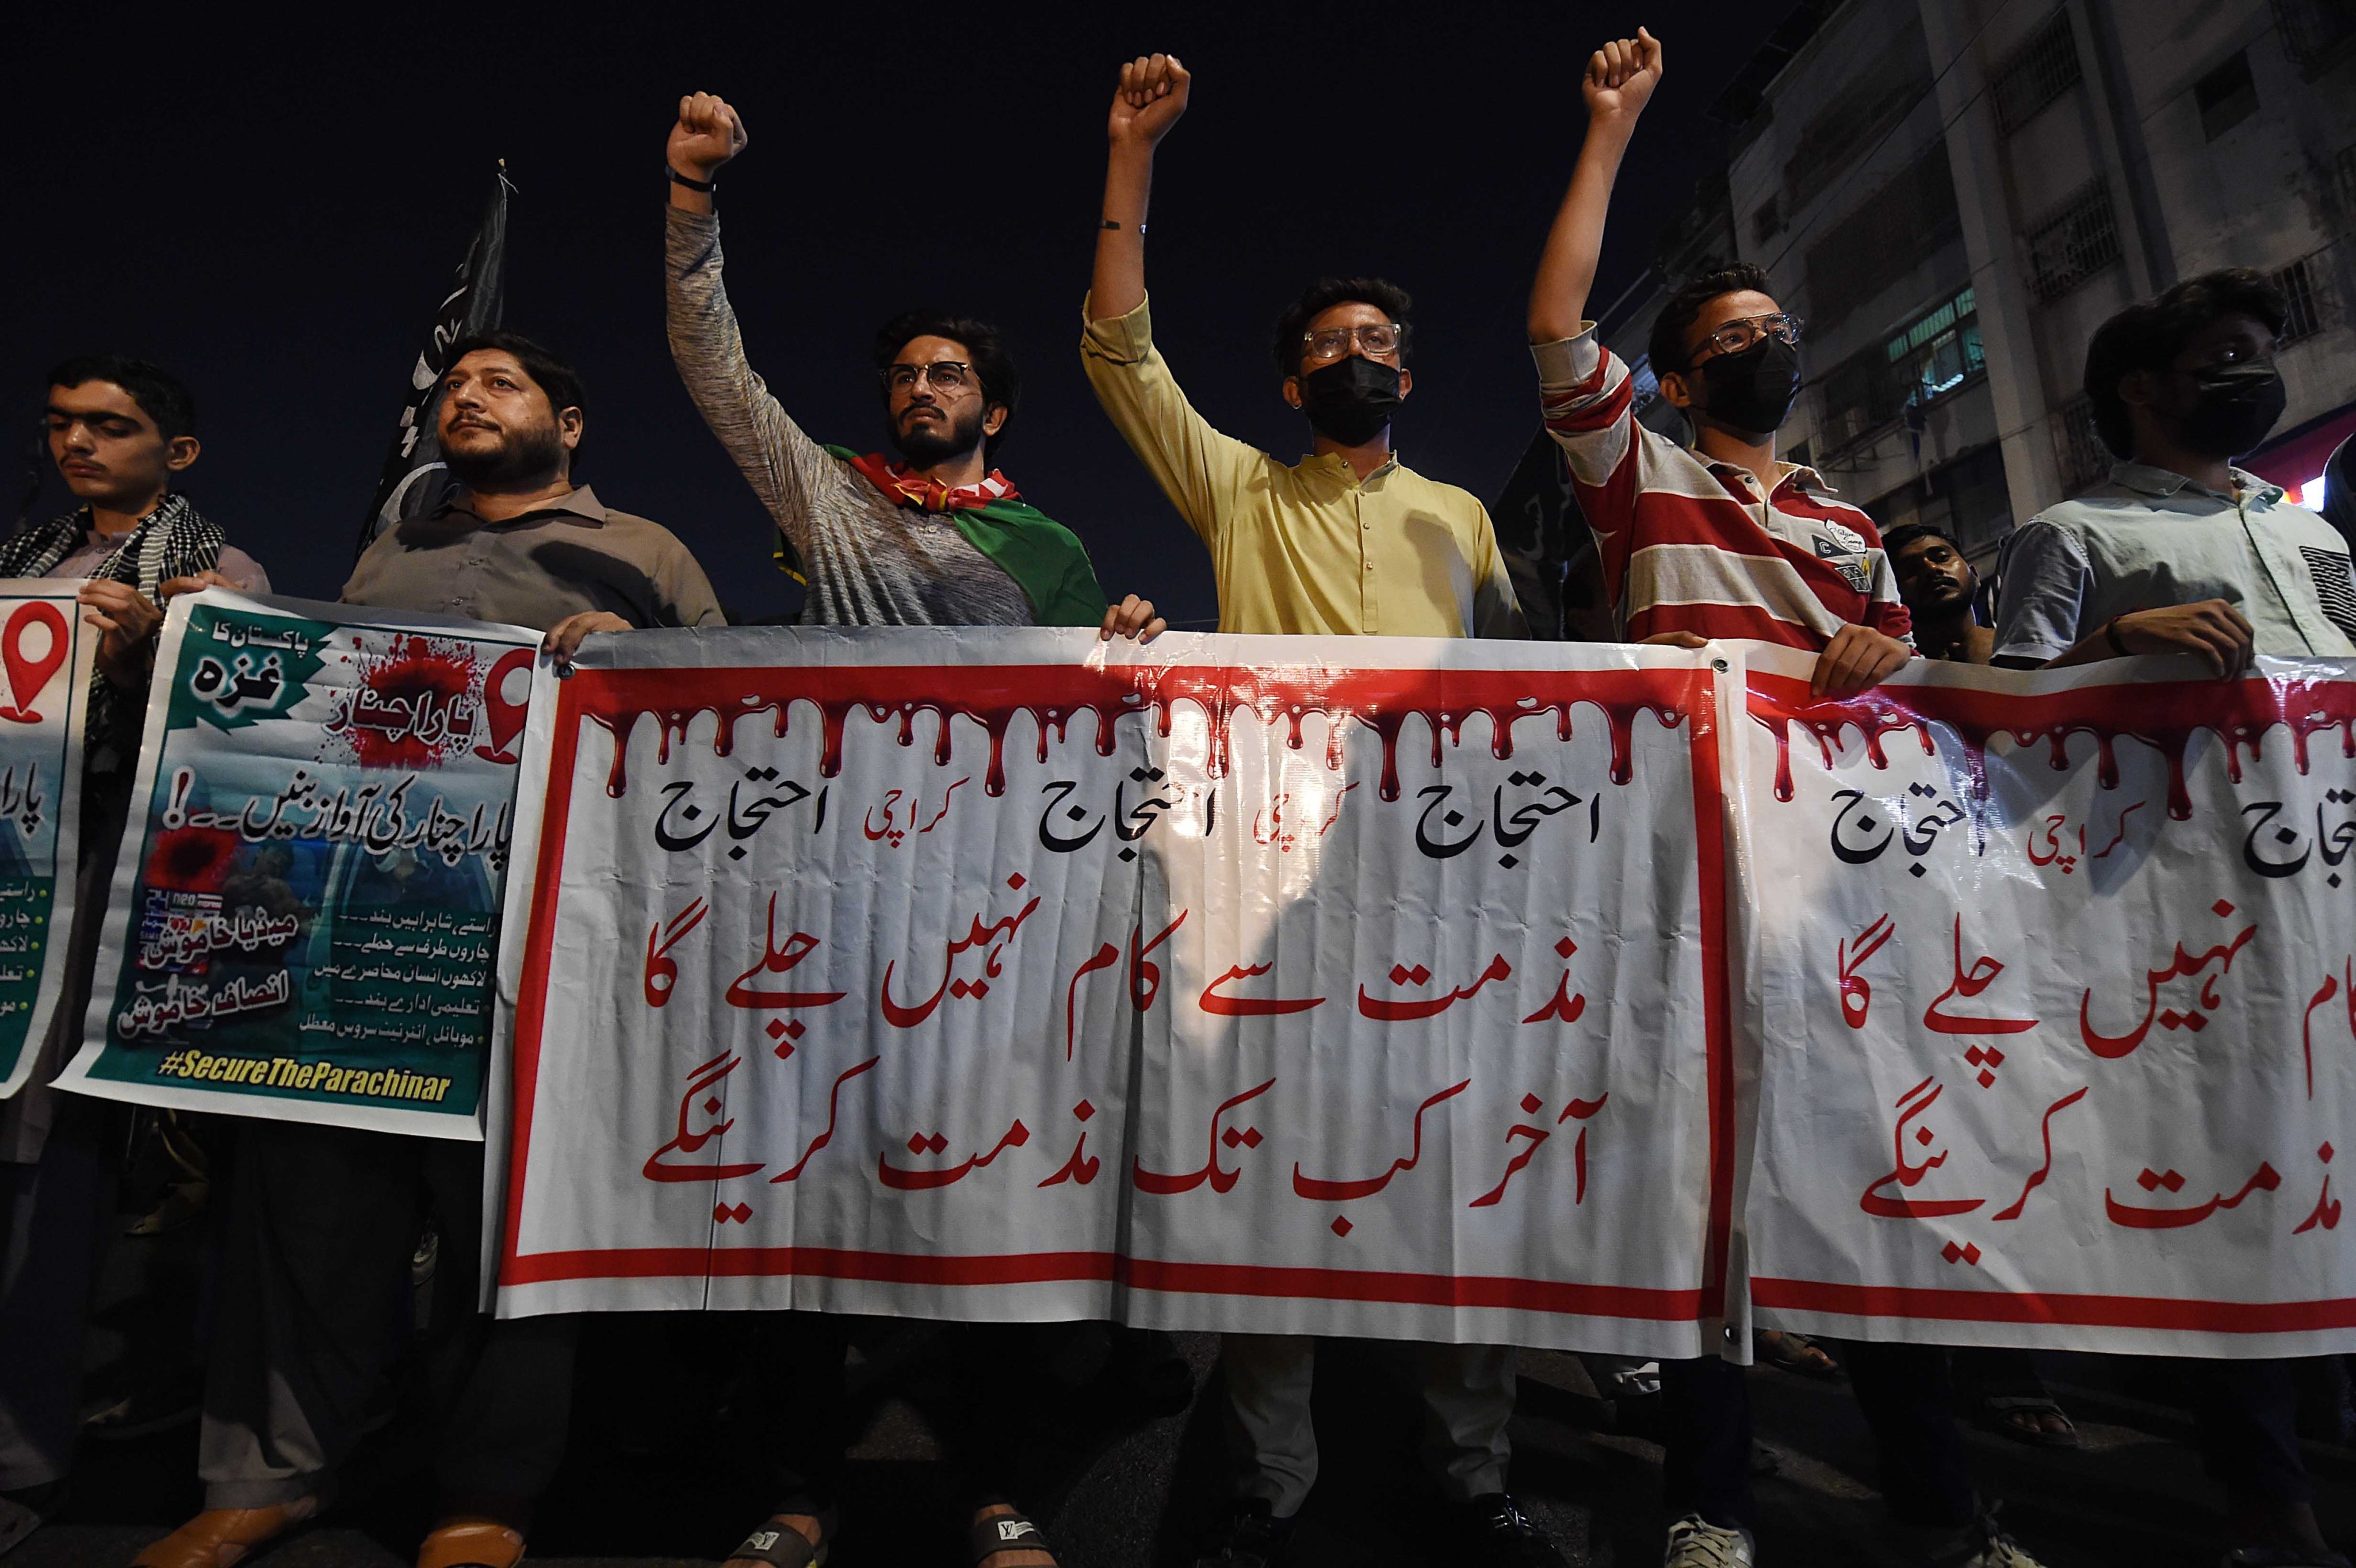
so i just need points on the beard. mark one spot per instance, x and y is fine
(929, 444)
(522, 457)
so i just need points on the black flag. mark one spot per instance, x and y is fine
(415, 479)
(1548, 552)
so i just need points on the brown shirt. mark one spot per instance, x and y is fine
(537, 569)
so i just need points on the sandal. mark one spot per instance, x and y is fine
(471, 1543)
(1795, 1353)
(782, 1546)
(1004, 1532)
(2021, 1417)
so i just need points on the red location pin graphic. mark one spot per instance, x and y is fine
(27, 677)
(502, 718)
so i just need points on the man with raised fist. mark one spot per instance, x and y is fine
(937, 536)
(1347, 541)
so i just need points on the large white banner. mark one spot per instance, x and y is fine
(1433, 990)
(1287, 984)
(2057, 1022)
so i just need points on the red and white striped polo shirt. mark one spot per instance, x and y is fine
(1687, 544)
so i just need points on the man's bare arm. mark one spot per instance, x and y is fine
(1151, 95)
(1619, 79)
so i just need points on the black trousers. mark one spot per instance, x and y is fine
(323, 1223)
(1903, 1391)
(56, 1217)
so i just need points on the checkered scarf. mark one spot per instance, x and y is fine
(175, 540)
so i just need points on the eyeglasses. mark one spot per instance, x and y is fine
(1741, 333)
(946, 376)
(1374, 341)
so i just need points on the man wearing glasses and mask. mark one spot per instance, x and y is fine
(1347, 541)
(1718, 539)
(2181, 551)
(936, 537)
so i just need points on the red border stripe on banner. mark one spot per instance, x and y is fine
(2077, 1311)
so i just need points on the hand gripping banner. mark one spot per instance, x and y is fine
(45, 652)
(1283, 983)
(308, 900)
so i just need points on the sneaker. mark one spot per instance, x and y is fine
(1497, 1532)
(1252, 1537)
(1983, 1544)
(1694, 1543)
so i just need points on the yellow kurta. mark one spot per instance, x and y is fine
(1311, 547)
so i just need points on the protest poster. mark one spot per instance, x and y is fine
(307, 905)
(46, 654)
(2057, 1030)
(1371, 986)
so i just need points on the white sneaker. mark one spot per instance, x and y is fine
(1985, 1545)
(1693, 1543)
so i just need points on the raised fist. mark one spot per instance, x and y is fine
(1620, 77)
(708, 135)
(1151, 95)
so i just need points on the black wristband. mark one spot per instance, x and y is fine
(705, 185)
(1117, 223)
(2111, 633)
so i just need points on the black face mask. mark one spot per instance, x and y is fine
(2234, 408)
(1753, 390)
(1350, 400)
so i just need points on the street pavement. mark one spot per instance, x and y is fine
(670, 1455)
(663, 1474)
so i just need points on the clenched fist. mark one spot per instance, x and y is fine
(1620, 77)
(1151, 95)
(708, 135)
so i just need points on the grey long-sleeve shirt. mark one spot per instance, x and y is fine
(869, 561)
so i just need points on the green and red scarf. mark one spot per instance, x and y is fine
(1046, 559)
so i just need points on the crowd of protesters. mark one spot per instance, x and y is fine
(2179, 552)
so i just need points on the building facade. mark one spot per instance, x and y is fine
(1955, 193)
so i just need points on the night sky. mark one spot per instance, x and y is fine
(271, 210)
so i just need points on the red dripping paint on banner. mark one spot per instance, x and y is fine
(2238, 712)
(1382, 701)
(426, 686)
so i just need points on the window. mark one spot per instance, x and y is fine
(2041, 70)
(2083, 457)
(2301, 317)
(1940, 352)
(1887, 236)
(2078, 241)
(2226, 96)
(1768, 222)
(1918, 364)
(2315, 33)
(1879, 93)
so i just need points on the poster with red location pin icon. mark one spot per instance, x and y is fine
(45, 659)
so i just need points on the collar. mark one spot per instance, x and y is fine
(2144, 479)
(905, 487)
(1786, 473)
(1337, 461)
(581, 506)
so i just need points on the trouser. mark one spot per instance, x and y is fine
(989, 1420)
(2246, 1425)
(322, 1224)
(1903, 1391)
(57, 1207)
(56, 1217)
(1468, 1398)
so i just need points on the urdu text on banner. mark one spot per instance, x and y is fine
(1227, 983)
(306, 904)
(2057, 1023)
